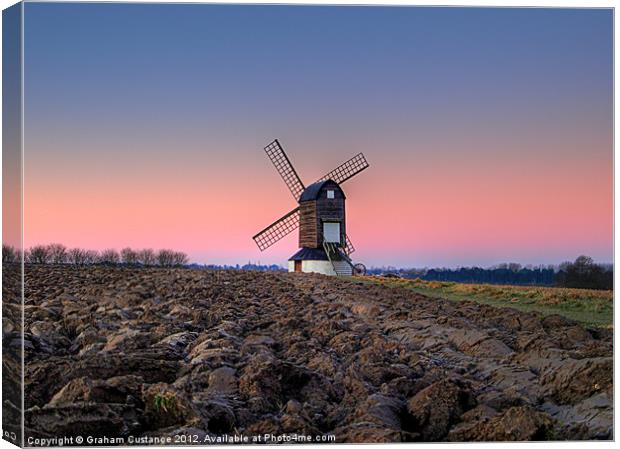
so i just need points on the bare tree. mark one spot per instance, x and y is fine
(92, 256)
(129, 256)
(147, 257)
(513, 266)
(180, 258)
(38, 254)
(165, 257)
(57, 253)
(109, 256)
(79, 256)
(9, 255)
(75, 256)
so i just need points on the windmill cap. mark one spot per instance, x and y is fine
(313, 190)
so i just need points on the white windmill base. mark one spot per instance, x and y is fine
(337, 268)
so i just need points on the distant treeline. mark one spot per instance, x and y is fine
(247, 266)
(582, 273)
(56, 253)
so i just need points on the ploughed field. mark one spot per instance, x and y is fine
(152, 352)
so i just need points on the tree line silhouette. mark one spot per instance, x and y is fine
(582, 273)
(57, 253)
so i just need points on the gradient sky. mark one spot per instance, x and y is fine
(488, 131)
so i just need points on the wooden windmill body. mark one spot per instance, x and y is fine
(320, 216)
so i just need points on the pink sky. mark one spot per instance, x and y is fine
(415, 209)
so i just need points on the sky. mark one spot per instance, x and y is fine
(488, 131)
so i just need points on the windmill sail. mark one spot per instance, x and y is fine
(285, 168)
(347, 170)
(277, 230)
(348, 246)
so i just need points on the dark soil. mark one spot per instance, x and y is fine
(120, 351)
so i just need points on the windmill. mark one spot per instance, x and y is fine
(320, 216)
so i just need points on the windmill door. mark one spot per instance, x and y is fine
(298, 266)
(331, 232)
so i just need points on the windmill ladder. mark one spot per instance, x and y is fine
(343, 266)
